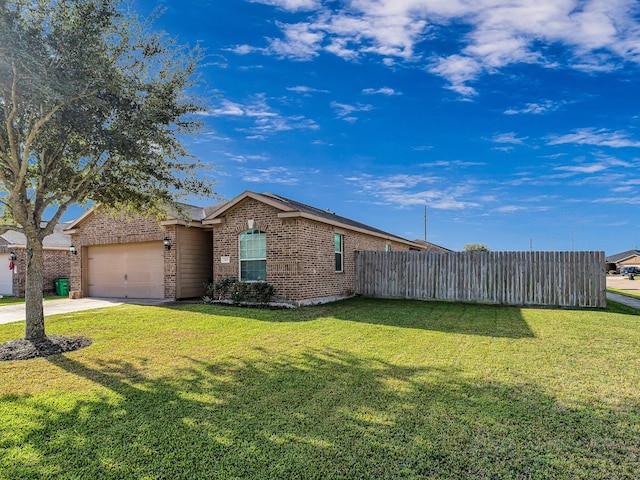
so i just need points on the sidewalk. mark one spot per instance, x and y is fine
(623, 283)
(631, 302)
(16, 312)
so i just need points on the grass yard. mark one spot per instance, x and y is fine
(628, 293)
(355, 389)
(9, 300)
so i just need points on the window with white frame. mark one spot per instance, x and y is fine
(338, 241)
(387, 248)
(253, 256)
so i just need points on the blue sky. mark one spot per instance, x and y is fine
(516, 122)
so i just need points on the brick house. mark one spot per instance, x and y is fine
(630, 258)
(57, 261)
(306, 253)
(140, 257)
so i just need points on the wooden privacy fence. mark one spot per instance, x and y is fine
(558, 279)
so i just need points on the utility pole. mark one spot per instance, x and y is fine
(572, 249)
(425, 222)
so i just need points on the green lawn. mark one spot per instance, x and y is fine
(628, 293)
(8, 300)
(356, 389)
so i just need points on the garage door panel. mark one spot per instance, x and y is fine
(134, 270)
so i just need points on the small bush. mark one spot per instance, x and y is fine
(220, 290)
(231, 289)
(240, 292)
(263, 292)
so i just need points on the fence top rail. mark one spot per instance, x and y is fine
(528, 252)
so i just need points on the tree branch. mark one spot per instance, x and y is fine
(13, 162)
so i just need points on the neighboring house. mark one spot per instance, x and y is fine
(140, 257)
(56, 260)
(431, 247)
(625, 259)
(306, 253)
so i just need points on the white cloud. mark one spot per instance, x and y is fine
(510, 209)
(269, 125)
(226, 108)
(588, 168)
(458, 70)
(535, 108)
(592, 136)
(591, 35)
(276, 174)
(245, 158)
(621, 200)
(279, 175)
(299, 43)
(381, 91)
(452, 163)
(303, 89)
(291, 5)
(244, 49)
(345, 111)
(400, 191)
(509, 138)
(265, 120)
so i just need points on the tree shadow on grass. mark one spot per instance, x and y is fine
(315, 415)
(486, 320)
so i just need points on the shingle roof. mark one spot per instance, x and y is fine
(326, 214)
(194, 212)
(56, 239)
(431, 246)
(622, 255)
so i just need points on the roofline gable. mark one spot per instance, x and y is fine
(171, 219)
(81, 219)
(244, 195)
(289, 212)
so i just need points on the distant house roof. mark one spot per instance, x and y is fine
(618, 257)
(58, 239)
(431, 247)
(292, 208)
(193, 213)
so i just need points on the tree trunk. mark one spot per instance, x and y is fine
(33, 291)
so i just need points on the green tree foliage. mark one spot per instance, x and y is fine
(93, 108)
(476, 247)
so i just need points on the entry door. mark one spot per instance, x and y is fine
(132, 270)
(6, 275)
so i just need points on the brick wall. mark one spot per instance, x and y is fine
(57, 265)
(102, 229)
(300, 252)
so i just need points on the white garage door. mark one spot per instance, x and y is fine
(132, 270)
(6, 275)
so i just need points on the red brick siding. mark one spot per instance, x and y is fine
(295, 241)
(102, 229)
(56, 265)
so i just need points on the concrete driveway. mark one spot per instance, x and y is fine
(16, 312)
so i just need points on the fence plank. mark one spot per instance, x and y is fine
(560, 279)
